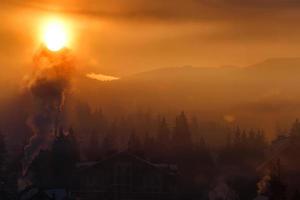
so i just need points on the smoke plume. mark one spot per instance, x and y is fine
(47, 86)
(222, 191)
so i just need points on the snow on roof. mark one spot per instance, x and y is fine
(59, 194)
(171, 167)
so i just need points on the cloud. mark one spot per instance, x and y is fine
(241, 19)
(101, 77)
(191, 10)
(238, 32)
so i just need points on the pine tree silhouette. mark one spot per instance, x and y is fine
(181, 134)
(2, 151)
(163, 135)
(93, 151)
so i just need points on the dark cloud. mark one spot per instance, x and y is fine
(186, 10)
(184, 32)
(239, 19)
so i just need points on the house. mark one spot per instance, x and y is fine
(33, 193)
(125, 176)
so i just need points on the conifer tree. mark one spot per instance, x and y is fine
(93, 151)
(296, 195)
(107, 145)
(181, 134)
(163, 135)
(237, 137)
(2, 150)
(134, 144)
(295, 130)
(74, 146)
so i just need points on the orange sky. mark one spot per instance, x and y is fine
(126, 36)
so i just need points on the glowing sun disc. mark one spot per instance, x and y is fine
(55, 36)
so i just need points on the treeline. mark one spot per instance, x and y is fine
(180, 139)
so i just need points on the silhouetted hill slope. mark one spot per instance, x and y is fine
(276, 68)
(268, 90)
(271, 78)
(278, 64)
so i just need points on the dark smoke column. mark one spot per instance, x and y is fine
(48, 86)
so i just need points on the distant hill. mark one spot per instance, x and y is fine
(267, 91)
(264, 95)
(278, 68)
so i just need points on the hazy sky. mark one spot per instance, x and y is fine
(120, 37)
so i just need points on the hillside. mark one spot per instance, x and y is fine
(266, 92)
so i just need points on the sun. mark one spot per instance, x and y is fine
(55, 35)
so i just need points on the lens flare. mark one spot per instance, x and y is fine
(55, 35)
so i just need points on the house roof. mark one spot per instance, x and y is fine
(159, 166)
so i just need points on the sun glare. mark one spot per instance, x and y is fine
(55, 35)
